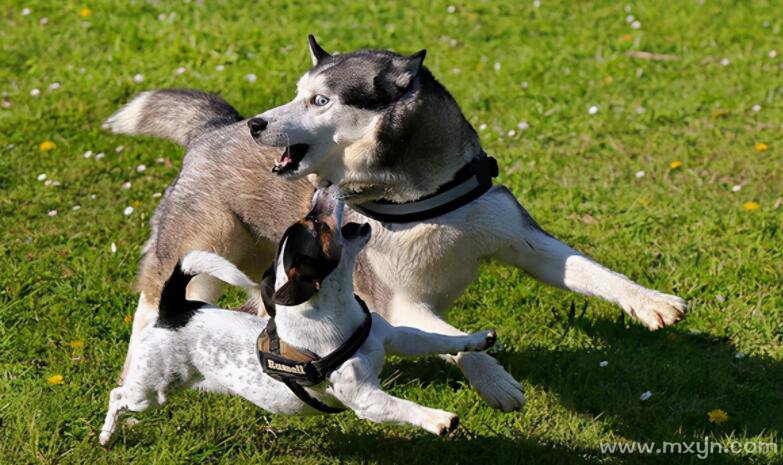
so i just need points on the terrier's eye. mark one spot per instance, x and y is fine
(320, 100)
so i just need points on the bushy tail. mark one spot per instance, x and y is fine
(180, 115)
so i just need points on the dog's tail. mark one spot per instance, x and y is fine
(180, 115)
(218, 267)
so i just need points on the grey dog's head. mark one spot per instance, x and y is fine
(340, 104)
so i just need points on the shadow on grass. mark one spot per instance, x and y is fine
(688, 375)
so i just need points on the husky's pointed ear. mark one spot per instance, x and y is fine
(295, 292)
(316, 52)
(410, 69)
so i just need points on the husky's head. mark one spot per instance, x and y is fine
(357, 116)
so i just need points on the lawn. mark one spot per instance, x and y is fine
(667, 168)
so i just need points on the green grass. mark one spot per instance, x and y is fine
(681, 231)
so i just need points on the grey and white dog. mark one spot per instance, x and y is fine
(379, 126)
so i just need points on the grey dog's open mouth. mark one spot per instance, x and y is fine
(290, 159)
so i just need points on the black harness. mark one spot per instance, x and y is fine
(296, 367)
(469, 183)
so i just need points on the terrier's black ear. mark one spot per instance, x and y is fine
(316, 52)
(409, 69)
(295, 292)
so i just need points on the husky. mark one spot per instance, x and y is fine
(380, 127)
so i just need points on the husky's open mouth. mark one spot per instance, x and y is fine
(289, 160)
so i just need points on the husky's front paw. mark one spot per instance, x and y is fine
(440, 422)
(494, 384)
(655, 309)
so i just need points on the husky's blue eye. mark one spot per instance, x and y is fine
(320, 100)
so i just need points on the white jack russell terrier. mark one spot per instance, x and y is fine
(320, 350)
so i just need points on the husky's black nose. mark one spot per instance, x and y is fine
(257, 126)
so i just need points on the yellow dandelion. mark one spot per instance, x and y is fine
(761, 147)
(127, 319)
(675, 165)
(750, 206)
(85, 12)
(472, 17)
(75, 344)
(608, 79)
(46, 146)
(55, 379)
(717, 416)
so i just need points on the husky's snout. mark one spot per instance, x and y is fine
(257, 126)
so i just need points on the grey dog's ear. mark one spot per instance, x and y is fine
(295, 292)
(316, 52)
(409, 69)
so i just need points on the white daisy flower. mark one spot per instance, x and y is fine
(26, 11)
(640, 174)
(756, 108)
(523, 126)
(87, 154)
(126, 185)
(645, 395)
(43, 21)
(76, 208)
(156, 195)
(99, 155)
(482, 127)
(52, 213)
(496, 66)
(630, 19)
(736, 188)
(251, 77)
(41, 177)
(725, 62)
(35, 92)
(48, 182)
(524, 85)
(592, 110)
(113, 247)
(138, 78)
(54, 86)
(636, 25)
(141, 168)
(219, 68)
(119, 148)
(511, 133)
(128, 211)
(603, 363)
(160, 161)
(180, 71)
(451, 9)
(772, 53)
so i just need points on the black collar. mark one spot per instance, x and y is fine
(297, 368)
(469, 183)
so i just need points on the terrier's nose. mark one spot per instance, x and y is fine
(257, 126)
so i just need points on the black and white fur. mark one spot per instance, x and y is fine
(212, 349)
(378, 125)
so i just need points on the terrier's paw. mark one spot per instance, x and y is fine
(481, 340)
(441, 423)
(655, 309)
(493, 383)
(105, 438)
